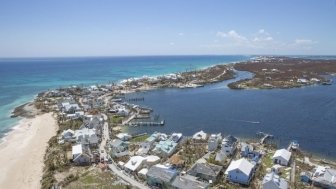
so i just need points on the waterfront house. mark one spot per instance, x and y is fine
(199, 136)
(68, 135)
(213, 141)
(142, 173)
(273, 181)
(160, 176)
(176, 137)
(325, 179)
(81, 155)
(305, 176)
(118, 148)
(240, 171)
(245, 149)
(124, 136)
(302, 81)
(229, 144)
(189, 182)
(282, 157)
(153, 138)
(134, 164)
(205, 171)
(165, 148)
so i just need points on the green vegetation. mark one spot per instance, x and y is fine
(55, 159)
(191, 152)
(212, 160)
(139, 138)
(70, 124)
(114, 120)
(95, 179)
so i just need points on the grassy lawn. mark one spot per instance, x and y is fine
(139, 138)
(96, 179)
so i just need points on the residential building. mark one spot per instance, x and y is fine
(86, 136)
(68, 135)
(134, 164)
(240, 171)
(213, 141)
(81, 154)
(273, 181)
(205, 171)
(165, 148)
(118, 148)
(229, 145)
(245, 149)
(201, 135)
(189, 182)
(326, 179)
(160, 176)
(282, 157)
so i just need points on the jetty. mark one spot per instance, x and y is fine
(264, 137)
(146, 123)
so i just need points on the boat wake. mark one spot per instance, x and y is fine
(245, 121)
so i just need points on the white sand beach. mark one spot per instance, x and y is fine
(22, 152)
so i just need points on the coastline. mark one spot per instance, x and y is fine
(25, 148)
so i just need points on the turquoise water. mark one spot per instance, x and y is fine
(22, 79)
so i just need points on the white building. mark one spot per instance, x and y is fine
(229, 144)
(240, 171)
(135, 163)
(86, 136)
(213, 141)
(124, 136)
(201, 135)
(68, 135)
(282, 157)
(273, 181)
(81, 155)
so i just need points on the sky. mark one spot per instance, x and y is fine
(62, 28)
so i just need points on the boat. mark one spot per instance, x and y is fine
(328, 82)
(294, 145)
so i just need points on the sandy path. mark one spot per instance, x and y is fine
(21, 155)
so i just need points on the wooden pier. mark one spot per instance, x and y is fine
(264, 137)
(146, 123)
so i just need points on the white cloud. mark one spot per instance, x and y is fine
(181, 34)
(304, 42)
(233, 35)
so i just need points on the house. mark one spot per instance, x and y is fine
(176, 137)
(201, 135)
(282, 157)
(205, 171)
(124, 136)
(165, 148)
(86, 136)
(134, 164)
(81, 155)
(305, 177)
(68, 135)
(142, 173)
(273, 181)
(189, 182)
(245, 149)
(302, 81)
(229, 145)
(118, 148)
(153, 138)
(144, 148)
(240, 171)
(213, 141)
(160, 176)
(326, 179)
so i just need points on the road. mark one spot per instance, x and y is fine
(126, 178)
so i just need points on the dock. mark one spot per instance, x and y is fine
(264, 137)
(146, 123)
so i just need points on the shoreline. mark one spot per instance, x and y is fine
(25, 147)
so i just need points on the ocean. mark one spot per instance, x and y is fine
(305, 114)
(22, 78)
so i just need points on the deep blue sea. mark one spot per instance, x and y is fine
(306, 114)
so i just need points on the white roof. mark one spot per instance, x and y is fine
(77, 149)
(134, 163)
(200, 135)
(274, 178)
(242, 164)
(143, 171)
(152, 158)
(285, 154)
(68, 131)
